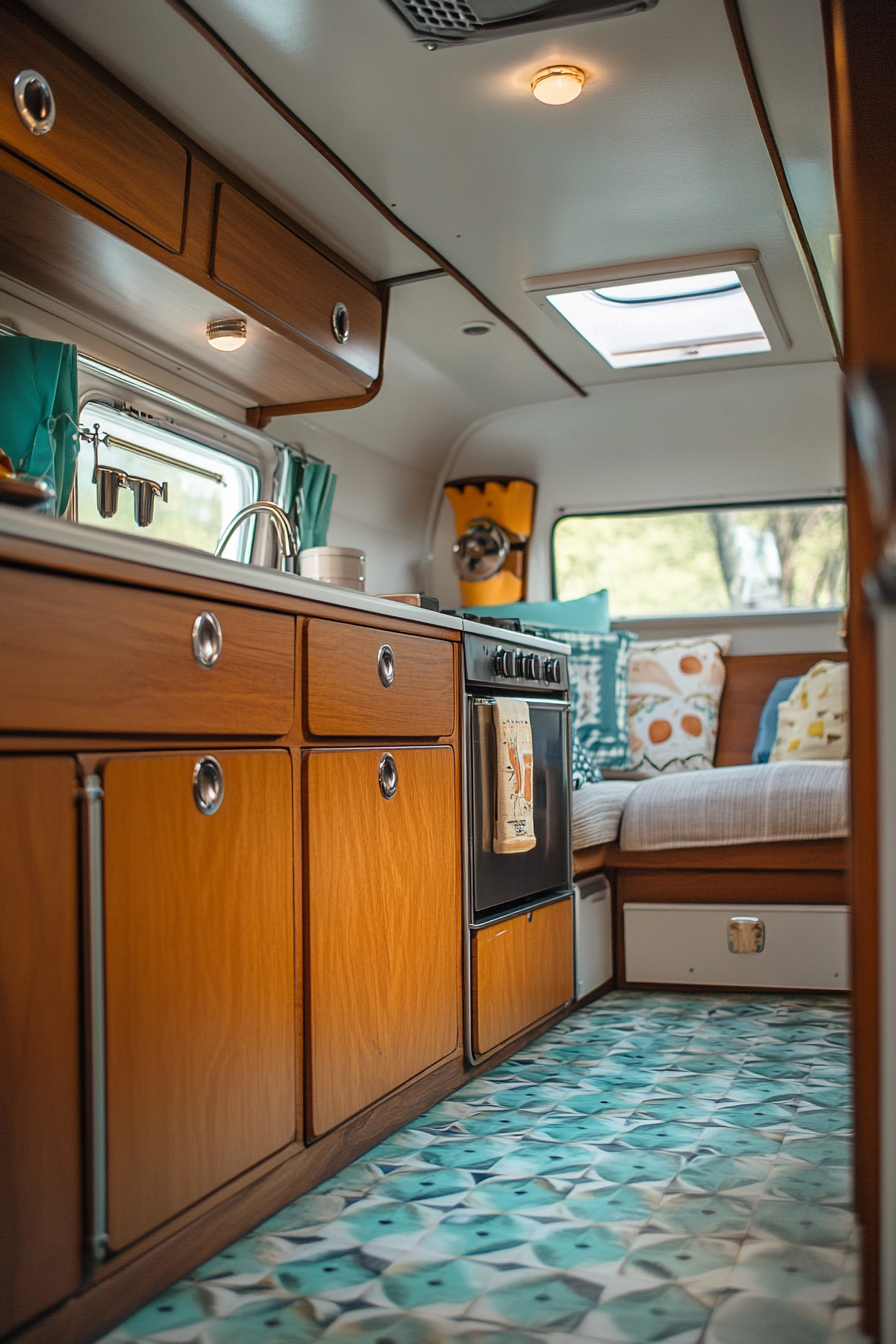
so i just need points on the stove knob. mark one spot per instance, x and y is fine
(553, 670)
(532, 666)
(505, 662)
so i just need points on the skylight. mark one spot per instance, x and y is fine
(666, 321)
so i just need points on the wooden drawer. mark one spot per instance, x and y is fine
(522, 969)
(805, 946)
(263, 262)
(79, 656)
(100, 144)
(346, 698)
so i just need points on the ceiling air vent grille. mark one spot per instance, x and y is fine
(442, 16)
(447, 23)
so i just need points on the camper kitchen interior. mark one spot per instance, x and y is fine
(447, 657)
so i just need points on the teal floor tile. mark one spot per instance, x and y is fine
(655, 1168)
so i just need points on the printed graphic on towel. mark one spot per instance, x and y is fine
(514, 822)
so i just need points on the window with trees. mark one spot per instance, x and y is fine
(689, 561)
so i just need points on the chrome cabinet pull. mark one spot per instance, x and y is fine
(746, 933)
(208, 639)
(34, 101)
(208, 785)
(388, 776)
(339, 322)
(385, 665)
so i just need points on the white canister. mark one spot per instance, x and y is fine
(342, 565)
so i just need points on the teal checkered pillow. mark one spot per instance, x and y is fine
(598, 681)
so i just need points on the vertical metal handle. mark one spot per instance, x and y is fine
(388, 776)
(208, 639)
(208, 785)
(95, 999)
(385, 664)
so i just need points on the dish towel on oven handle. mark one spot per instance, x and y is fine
(514, 821)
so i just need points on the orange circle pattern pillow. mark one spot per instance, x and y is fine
(674, 690)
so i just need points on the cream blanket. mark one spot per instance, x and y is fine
(514, 826)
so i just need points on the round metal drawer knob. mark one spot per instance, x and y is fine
(34, 101)
(388, 776)
(385, 665)
(208, 639)
(339, 322)
(208, 785)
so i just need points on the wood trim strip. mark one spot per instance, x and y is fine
(735, 23)
(246, 73)
(777, 855)
(412, 277)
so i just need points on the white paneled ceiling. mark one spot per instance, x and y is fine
(660, 156)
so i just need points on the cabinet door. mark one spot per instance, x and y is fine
(383, 924)
(100, 144)
(200, 982)
(40, 1108)
(522, 970)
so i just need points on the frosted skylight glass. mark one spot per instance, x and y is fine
(668, 321)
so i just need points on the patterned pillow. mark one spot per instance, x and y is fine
(584, 771)
(674, 689)
(813, 725)
(598, 684)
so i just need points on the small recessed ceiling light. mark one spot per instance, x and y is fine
(228, 333)
(558, 84)
(478, 328)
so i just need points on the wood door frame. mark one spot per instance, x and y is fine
(860, 40)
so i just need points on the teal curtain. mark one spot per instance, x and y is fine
(318, 489)
(39, 410)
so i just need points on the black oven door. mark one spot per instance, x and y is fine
(507, 879)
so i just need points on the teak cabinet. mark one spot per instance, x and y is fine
(40, 1062)
(116, 213)
(200, 979)
(382, 924)
(522, 970)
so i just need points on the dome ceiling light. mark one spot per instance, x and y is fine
(558, 84)
(228, 333)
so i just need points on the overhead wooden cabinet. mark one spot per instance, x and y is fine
(264, 262)
(522, 970)
(200, 977)
(136, 661)
(382, 933)
(40, 1102)
(99, 143)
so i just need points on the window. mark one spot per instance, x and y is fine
(206, 485)
(666, 321)
(677, 562)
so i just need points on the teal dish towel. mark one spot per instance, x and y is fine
(39, 411)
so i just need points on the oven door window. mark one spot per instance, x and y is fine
(506, 879)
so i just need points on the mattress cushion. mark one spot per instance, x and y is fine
(597, 811)
(737, 805)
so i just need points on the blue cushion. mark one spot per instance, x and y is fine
(590, 613)
(598, 683)
(768, 719)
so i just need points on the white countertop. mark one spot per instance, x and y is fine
(29, 526)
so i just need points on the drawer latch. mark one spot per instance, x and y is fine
(746, 933)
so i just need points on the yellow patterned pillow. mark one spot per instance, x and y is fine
(813, 725)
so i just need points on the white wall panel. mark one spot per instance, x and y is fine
(728, 436)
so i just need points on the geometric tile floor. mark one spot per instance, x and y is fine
(655, 1168)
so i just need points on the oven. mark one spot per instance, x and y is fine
(533, 670)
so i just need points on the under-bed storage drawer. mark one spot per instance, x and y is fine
(801, 946)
